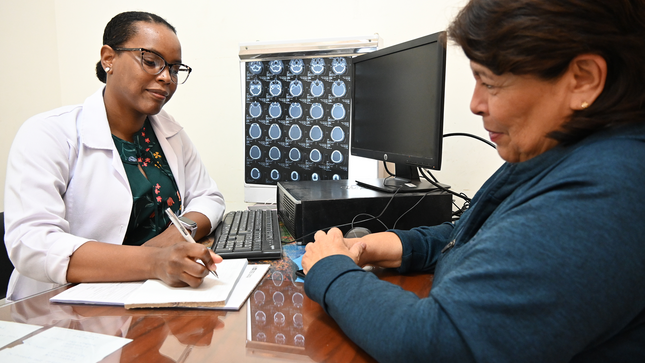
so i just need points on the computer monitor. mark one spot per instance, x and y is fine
(397, 111)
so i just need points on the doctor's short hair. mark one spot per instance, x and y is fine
(541, 37)
(121, 28)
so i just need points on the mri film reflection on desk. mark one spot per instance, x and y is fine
(275, 316)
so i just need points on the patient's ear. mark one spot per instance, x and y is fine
(589, 72)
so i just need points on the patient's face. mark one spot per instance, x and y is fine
(519, 111)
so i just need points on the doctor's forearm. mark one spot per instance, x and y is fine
(103, 262)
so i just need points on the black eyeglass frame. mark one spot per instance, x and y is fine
(166, 64)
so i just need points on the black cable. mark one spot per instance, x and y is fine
(432, 176)
(386, 169)
(473, 136)
(353, 220)
(411, 208)
(460, 195)
(463, 196)
(373, 217)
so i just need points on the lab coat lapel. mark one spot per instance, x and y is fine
(94, 130)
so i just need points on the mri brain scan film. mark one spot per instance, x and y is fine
(297, 119)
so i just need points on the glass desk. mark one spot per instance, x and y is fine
(278, 323)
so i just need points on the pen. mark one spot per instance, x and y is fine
(184, 233)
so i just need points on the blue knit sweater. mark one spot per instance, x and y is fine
(548, 265)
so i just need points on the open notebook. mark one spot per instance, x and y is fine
(228, 292)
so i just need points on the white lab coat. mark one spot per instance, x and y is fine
(66, 185)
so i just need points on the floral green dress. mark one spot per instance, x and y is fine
(153, 186)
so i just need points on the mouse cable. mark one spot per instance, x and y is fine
(368, 215)
(411, 208)
(353, 220)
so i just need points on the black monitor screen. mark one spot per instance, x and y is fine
(398, 95)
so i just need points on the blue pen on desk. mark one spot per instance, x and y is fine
(184, 233)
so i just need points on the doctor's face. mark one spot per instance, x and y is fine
(519, 111)
(137, 90)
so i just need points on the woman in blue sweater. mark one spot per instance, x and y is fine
(548, 264)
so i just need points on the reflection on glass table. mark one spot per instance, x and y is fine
(274, 316)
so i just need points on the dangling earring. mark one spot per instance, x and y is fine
(584, 105)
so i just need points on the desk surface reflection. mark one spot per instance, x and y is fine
(277, 323)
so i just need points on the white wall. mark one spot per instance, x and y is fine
(50, 48)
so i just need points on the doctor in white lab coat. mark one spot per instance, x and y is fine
(67, 197)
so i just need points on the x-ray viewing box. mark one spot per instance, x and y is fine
(297, 104)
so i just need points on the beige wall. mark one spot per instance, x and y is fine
(49, 49)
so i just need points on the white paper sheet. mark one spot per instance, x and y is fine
(103, 293)
(249, 280)
(58, 345)
(11, 331)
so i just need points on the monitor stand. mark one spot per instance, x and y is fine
(406, 180)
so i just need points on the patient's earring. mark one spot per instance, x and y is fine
(107, 69)
(584, 105)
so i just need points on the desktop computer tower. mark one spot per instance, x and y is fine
(308, 206)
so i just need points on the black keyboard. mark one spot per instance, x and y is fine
(250, 234)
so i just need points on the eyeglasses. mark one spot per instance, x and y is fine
(153, 63)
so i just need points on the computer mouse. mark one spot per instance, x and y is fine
(357, 232)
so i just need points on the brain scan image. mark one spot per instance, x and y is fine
(275, 110)
(255, 173)
(316, 112)
(255, 152)
(338, 88)
(275, 132)
(295, 110)
(294, 154)
(338, 111)
(255, 109)
(337, 134)
(339, 65)
(275, 66)
(315, 155)
(274, 153)
(296, 66)
(255, 88)
(255, 131)
(256, 67)
(275, 88)
(296, 88)
(317, 66)
(295, 133)
(317, 88)
(316, 134)
(337, 156)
